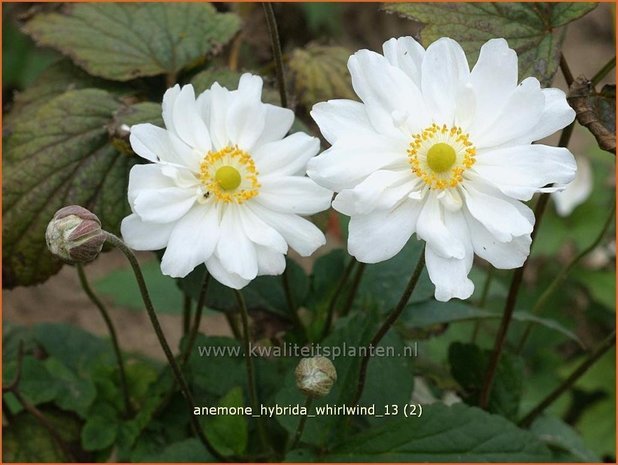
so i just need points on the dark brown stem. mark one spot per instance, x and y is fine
(197, 319)
(388, 323)
(301, 425)
(606, 345)
(360, 269)
(566, 71)
(186, 314)
(112, 334)
(271, 23)
(154, 320)
(333, 301)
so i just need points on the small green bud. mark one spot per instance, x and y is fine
(74, 234)
(315, 376)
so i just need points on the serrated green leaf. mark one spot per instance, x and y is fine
(469, 367)
(443, 434)
(228, 433)
(532, 29)
(320, 73)
(74, 393)
(125, 41)
(61, 155)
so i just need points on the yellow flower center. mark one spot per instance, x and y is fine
(440, 155)
(229, 175)
(228, 178)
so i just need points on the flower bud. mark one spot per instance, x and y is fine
(74, 234)
(315, 376)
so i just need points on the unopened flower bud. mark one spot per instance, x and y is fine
(315, 376)
(74, 234)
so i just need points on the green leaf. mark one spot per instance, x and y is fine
(601, 285)
(228, 433)
(469, 368)
(557, 434)
(25, 440)
(99, 433)
(126, 41)
(383, 283)
(205, 79)
(119, 286)
(443, 434)
(60, 156)
(320, 73)
(532, 29)
(431, 312)
(74, 393)
(36, 384)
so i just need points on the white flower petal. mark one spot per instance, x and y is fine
(302, 235)
(386, 89)
(502, 255)
(151, 142)
(261, 233)
(246, 115)
(519, 115)
(381, 235)
(338, 118)
(352, 159)
(407, 54)
(191, 242)
(144, 236)
(577, 191)
(372, 192)
(288, 156)
(444, 70)
(235, 250)
(215, 268)
(293, 194)
(220, 100)
(556, 115)
(163, 205)
(145, 178)
(169, 99)
(503, 217)
(278, 123)
(493, 78)
(432, 229)
(521, 171)
(270, 263)
(188, 123)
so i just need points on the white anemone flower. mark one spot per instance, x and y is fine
(226, 187)
(576, 192)
(442, 151)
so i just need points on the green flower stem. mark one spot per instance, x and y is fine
(197, 319)
(482, 301)
(301, 425)
(516, 281)
(113, 336)
(605, 346)
(611, 64)
(360, 269)
(271, 23)
(184, 387)
(186, 314)
(560, 277)
(388, 323)
(333, 301)
(246, 338)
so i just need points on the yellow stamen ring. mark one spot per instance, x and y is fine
(229, 175)
(440, 155)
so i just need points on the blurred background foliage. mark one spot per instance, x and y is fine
(67, 369)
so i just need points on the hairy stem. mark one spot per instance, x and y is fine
(605, 346)
(561, 276)
(271, 23)
(182, 383)
(388, 323)
(113, 336)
